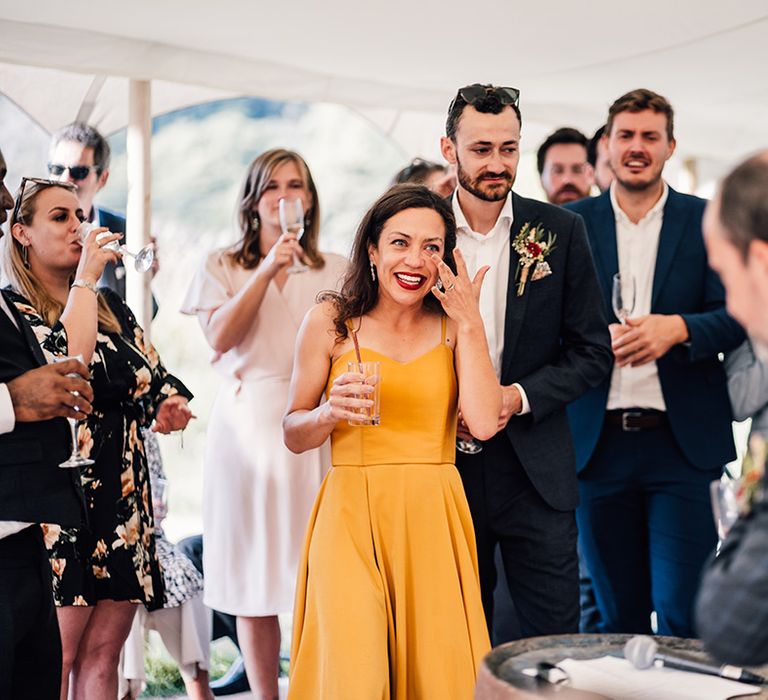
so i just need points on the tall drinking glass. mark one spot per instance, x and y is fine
(371, 371)
(292, 221)
(75, 459)
(142, 261)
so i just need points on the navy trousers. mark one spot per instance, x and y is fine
(645, 529)
(30, 645)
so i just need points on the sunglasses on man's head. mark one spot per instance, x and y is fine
(472, 93)
(77, 172)
(37, 181)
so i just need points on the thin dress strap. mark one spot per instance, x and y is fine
(442, 332)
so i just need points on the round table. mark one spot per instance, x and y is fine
(501, 675)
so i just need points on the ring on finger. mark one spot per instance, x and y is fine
(450, 287)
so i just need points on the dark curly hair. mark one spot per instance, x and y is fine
(359, 291)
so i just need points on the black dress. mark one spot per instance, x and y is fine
(115, 556)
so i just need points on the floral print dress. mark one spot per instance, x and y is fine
(114, 557)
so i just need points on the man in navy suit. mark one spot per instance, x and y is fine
(651, 437)
(34, 396)
(549, 343)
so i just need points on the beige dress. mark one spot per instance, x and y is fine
(257, 495)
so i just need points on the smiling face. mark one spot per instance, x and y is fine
(638, 148)
(485, 152)
(286, 182)
(404, 268)
(51, 236)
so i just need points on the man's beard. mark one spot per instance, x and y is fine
(495, 194)
(638, 186)
(558, 199)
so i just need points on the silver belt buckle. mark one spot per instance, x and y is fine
(625, 417)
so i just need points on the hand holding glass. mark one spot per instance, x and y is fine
(75, 459)
(142, 260)
(371, 371)
(292, 221)
(623, 296)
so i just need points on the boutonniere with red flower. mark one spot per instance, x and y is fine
(533, 244)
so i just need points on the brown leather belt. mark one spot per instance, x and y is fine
(632, 421)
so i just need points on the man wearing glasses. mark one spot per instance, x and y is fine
(34, 396)
(548, 338)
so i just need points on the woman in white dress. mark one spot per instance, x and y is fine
(257, 496)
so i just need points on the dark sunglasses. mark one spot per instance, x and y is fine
(36, 181)
(472, 93)
(77, 172)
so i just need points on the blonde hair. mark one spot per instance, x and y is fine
(24, 281)
(247, 252)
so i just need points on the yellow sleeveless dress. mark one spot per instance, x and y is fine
(388, 598)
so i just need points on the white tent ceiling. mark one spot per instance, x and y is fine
(399, 62)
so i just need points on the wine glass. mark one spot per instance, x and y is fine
(142, 261)
(623, 296)
(292, 221)
(468, 447)
(75, 459)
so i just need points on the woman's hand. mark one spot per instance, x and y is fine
(281, 254)
(173, 414)
(95, 256)
(460, 297)
(348, 392)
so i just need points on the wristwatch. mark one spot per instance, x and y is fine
(85, 284)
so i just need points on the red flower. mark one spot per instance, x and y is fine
(533, 248)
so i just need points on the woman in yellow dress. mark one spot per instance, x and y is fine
(388, 599)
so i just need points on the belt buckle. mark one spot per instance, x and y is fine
(626, 417)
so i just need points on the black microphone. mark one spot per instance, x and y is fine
(643, 652)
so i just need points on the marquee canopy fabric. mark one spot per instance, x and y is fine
(398, 62)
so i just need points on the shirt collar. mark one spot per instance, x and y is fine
(656, 211)
(506, 215)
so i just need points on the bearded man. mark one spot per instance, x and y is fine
(548, 337)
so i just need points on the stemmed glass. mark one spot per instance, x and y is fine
(75, 459)
(623, 296)
(468, 447)
(142, 261)
(292, 221)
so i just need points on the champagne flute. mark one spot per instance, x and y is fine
(623, 296)
(142, 261)
(75, 459)
(292, 221)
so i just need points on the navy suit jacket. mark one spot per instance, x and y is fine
(692, 377)
(556, 345)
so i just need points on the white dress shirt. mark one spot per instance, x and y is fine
(637, 245)
(491, 249)
(7, 424)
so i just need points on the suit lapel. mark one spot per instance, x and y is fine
(515, 311)
(602, 232)
(26, 330)
(672, 230)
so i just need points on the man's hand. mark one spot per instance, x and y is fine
(46, 392)
(647, 338)
(173, 414)
(511, 405)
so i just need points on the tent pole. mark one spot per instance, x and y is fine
(691, 170)
(138, 209)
